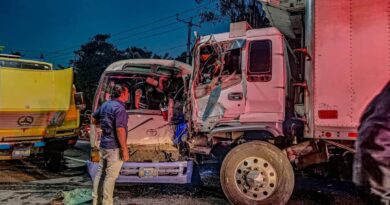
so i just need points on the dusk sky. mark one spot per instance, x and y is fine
(56, 28)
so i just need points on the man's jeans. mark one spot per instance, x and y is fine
(109, 167)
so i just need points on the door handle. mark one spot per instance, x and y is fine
(235, 96)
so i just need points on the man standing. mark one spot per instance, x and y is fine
(113, 118)
(372, 158)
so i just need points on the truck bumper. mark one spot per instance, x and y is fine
(149, 172)
(20, 150)
(25, 149)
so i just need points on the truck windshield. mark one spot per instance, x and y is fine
(23, 65)
(148, 93)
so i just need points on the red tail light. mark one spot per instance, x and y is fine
(327, 114)
(353, 134)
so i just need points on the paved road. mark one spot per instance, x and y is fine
(26, 182)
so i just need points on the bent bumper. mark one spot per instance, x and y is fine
(149, 172)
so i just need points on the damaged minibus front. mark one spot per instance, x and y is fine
(156, 122)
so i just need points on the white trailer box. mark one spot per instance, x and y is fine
(350, 64)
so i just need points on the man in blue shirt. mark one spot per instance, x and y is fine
(112, 118)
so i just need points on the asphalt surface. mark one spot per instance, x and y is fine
(27, 182)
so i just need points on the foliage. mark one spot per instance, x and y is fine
(236, 10)
(91, 60)
(182, 57)
(17, 53)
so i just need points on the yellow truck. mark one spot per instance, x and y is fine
(39, 110)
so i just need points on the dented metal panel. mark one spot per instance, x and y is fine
(150, 129)
(245, 101)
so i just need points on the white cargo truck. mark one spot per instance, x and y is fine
(256, 100)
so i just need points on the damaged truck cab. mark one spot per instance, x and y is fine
(237, 99)
(239, 84)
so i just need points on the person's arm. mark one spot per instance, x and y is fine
(95, 117)
(94, 121)
(122, 138)
(121, 125)
(93, 137)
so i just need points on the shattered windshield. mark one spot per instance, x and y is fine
(217, 64)
(147, 92)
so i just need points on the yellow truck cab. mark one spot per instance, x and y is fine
(38, 111)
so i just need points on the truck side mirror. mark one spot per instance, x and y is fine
(79, 100)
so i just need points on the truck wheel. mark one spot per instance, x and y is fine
(257, 173)
(196, 180)
(54, 161)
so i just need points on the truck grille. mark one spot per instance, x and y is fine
(15, 120)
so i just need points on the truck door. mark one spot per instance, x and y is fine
(265, 76)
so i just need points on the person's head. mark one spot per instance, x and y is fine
(120, 92)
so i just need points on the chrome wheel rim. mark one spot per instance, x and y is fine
(256, 178)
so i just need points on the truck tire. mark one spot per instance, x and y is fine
(257, 173)
(54, 154)
(196, 180)
(54, 161)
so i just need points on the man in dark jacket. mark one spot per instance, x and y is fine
(112, 118)
(372, 159)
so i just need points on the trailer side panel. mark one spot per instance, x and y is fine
(351, 62)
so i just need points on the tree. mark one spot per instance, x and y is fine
(182, 57)
(91, 60)
(17, 53)
(236, 10)
(166, 56)
(135, 52)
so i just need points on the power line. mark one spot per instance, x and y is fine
(162, 19)
(157, 51)
(144, 37)
(126, 37)
(137, 34)
(60, 53)
(143, 32)
(145, 25)
(171, 48)
(155, 34)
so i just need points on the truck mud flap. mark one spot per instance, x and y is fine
(149, 172)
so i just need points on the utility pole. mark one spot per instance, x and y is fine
(189, 34)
